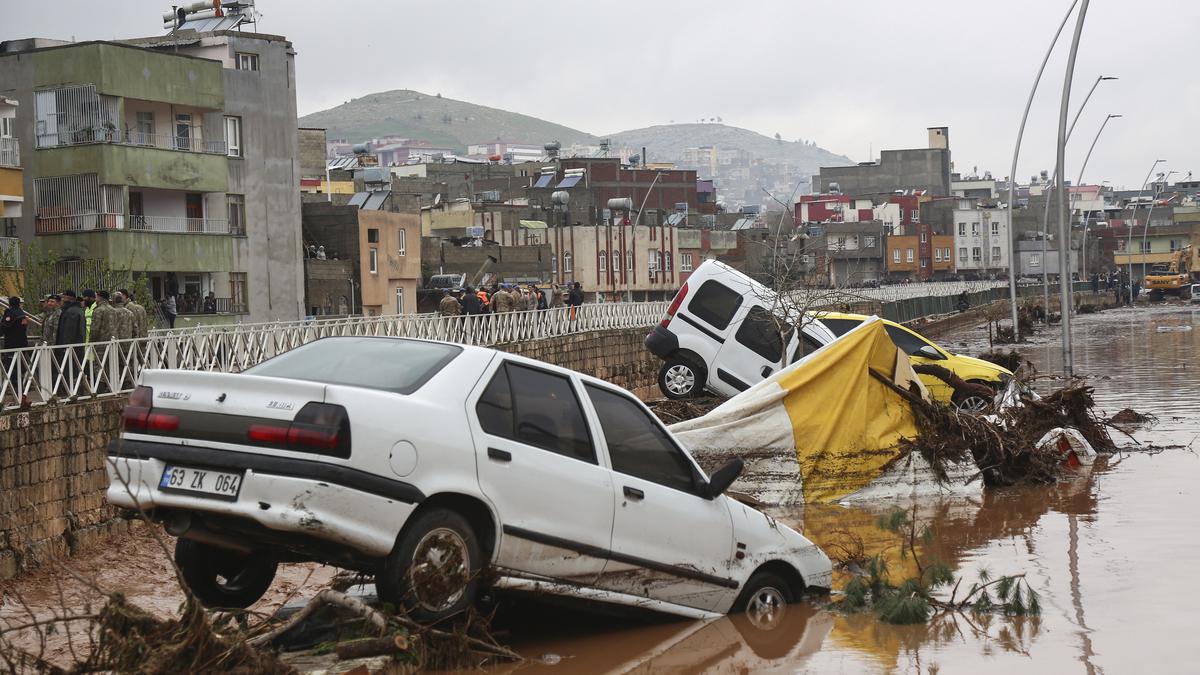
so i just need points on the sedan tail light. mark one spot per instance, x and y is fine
(139, 414)
(323, 428)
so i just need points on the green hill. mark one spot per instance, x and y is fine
(441, 121)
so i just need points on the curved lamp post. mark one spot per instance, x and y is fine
(1129, 234)
(1079, 181)
(1146, 227)
(1012, 175)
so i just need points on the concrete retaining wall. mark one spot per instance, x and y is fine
(616, 356)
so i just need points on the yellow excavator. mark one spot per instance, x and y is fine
(1177, 277)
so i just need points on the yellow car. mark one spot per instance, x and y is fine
(922, 351)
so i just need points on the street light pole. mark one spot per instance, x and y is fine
(1129, 233)
(1012, 176)
(1146, 227)
(1064, 226)
(1079, 181)
(1058, 185)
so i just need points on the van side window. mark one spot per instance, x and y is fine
(536, 408)
(715, 303)
(808, 345)
(638, 445)
(760, 334)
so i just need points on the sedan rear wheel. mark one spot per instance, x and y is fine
(433, 572)
(220, 577)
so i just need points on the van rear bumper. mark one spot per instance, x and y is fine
(662, 342)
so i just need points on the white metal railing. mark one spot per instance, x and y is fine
(42, 374)
(10, 152)
(179, 224)
(100, 134)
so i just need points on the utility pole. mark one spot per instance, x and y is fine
(1064, 225)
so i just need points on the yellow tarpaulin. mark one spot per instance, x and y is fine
(533, 224)
(819, 430)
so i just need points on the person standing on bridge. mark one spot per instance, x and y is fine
(502, 300)
(141, 322)
(50, 313)
(13, 328)
(122, 317)
(72, 333)
(575, 299)
(449, 305)
(470, 302)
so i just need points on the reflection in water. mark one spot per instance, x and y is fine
(1110, 554)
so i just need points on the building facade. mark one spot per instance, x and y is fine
(921, 169)
(177, 161)
(980, 239)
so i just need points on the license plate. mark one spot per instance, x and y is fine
(205, 482)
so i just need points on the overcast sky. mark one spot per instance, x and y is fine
(851, 75)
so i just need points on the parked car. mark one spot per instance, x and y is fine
(1194, 293)
(424, 462)
(923, 351)
(722, 333)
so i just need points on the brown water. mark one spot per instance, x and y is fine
(1112, 554)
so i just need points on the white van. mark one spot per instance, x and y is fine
(720, 334)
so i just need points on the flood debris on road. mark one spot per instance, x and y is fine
(852, 421)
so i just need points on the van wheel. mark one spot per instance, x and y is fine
(220, 577)
(433, 573)
(680, 378)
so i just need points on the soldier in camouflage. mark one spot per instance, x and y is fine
(103, 320)
(141, 321)
(122, 317)
(50, 314)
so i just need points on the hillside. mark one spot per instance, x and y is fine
(441, 121)
(667, 142)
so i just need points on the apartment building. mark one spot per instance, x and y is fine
(173, 156)
(619, 262)
(980, 239)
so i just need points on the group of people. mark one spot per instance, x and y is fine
(501, 299)
(1117, 283)
(70, 319)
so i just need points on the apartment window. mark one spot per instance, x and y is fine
(399, 300)
(976, 254)
(908, 256)
(233, 136)
(1145, 246)
(841, 244)
(652, 259)
(247, 61)
(372, 235)
(374, 261)
(603, 259)
(235, 207)
(6, 127)
(568, 270)
(937, 255)
(924, 263)
(685, 262)
(403, 242)
(868, 241)
(237, 293)
(666, 256)
(616, 256)
(896, 255)
(975, 229)
(962, 253)
(554, 264)
(629, 259)
(996, 253)
(924, 237)
(145, 128)
(995, 229)
(946, 255)
(1174, 245)
(962, 229)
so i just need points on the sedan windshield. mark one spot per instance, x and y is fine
(389, 364)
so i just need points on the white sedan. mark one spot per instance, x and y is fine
(423, 463)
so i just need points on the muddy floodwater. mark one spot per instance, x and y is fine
(1112, 554)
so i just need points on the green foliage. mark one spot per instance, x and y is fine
(44, 272)
(905, 605)
(856, 594)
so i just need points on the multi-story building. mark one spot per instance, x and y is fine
(376, 255)
(12, 198)
(980, 239)
(853, 252)
(617, 261)
(174, 157)
(921, 169)
(920, 256)
(510, 153)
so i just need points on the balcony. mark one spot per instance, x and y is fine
(10, 152)
(91, 222)
(134, 138)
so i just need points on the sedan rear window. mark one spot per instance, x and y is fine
(840, 327)
(388, 364)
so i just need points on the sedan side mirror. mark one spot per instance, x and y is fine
(723, 477)
(930, 353)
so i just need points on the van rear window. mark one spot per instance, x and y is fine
(715, 304)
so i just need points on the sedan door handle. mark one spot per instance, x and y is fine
(766, 371)
(634, 493)
(499, 455)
